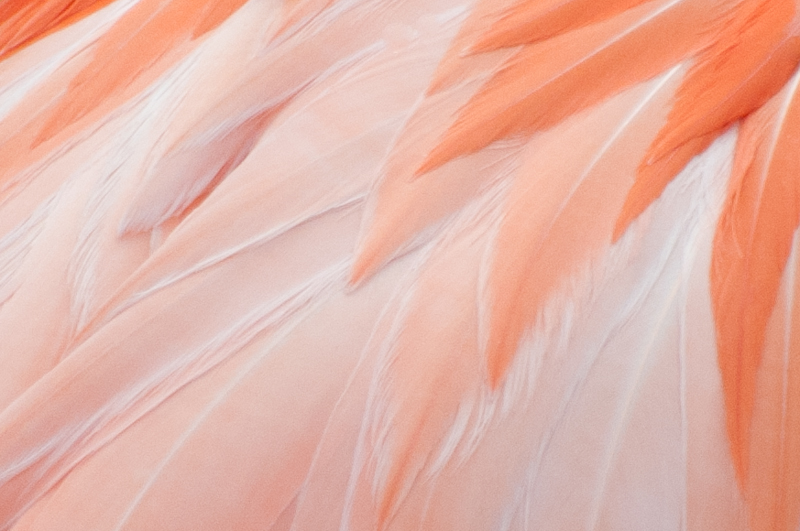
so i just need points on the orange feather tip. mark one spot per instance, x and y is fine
(538, 88)
(369, 258)
(653, 177)
(435, 160)
(718, 91)
(498, 360)
(359, 272)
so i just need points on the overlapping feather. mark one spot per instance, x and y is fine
(751, 248)
(413, 265)
(23, 22)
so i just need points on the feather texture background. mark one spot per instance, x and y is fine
(399, 264)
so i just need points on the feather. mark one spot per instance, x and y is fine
(751, 248)
(22, 23)
(528, 21)
(772, 482)
(599, 378)
(753, 57)
(198, 417)
(298, 12)
(130, 49)
(398, 264)
(143, 383)
(539, 87)
(425, 372)
(553, 223)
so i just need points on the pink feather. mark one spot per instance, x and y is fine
(399, 264)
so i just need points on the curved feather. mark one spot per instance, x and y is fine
(428, 370)
(773, 482)
(553, 223)
(751, 248)
(151, 30)
(82, 251)
(260, 474)
(545, 83)
(317, 265)
(753, 57)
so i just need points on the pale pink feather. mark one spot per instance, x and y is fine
(236, 293)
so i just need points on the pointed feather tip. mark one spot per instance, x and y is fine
(626, 217)
(377, 246)
(499, 355)
(442, 79)
(444, 76)
(67, 112)
(364, 266)
(641, 195)
(427, 166)
(738, 431)
(50, 129)
(448, 72)
(646, 189)
(635, 204)
(438, 157)
(388, 504)
(46, 135)
(653, 176)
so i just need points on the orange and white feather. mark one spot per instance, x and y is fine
(399, 264)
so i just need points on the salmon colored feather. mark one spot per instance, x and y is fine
(546, 83)
(773, 483)
(751, 248)
(300, 11)
(387, 265)
(533, 20)
(139, 40)
(545, 237)
(764, 40)
(23, 22)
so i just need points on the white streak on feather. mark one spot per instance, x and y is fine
(599, 275)
(558, 318)
(313, 295)
(121, 161)
(283, 312)
(15, 245)
(256, 241)
(193, 181)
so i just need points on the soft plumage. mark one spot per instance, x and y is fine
(399, 264)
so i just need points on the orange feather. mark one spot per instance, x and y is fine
(399, 264)
(548, 82)
(751, 248)
(754, 55)
(23, 22)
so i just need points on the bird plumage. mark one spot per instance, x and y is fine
(399, 264)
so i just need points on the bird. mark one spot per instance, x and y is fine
(388, 265)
